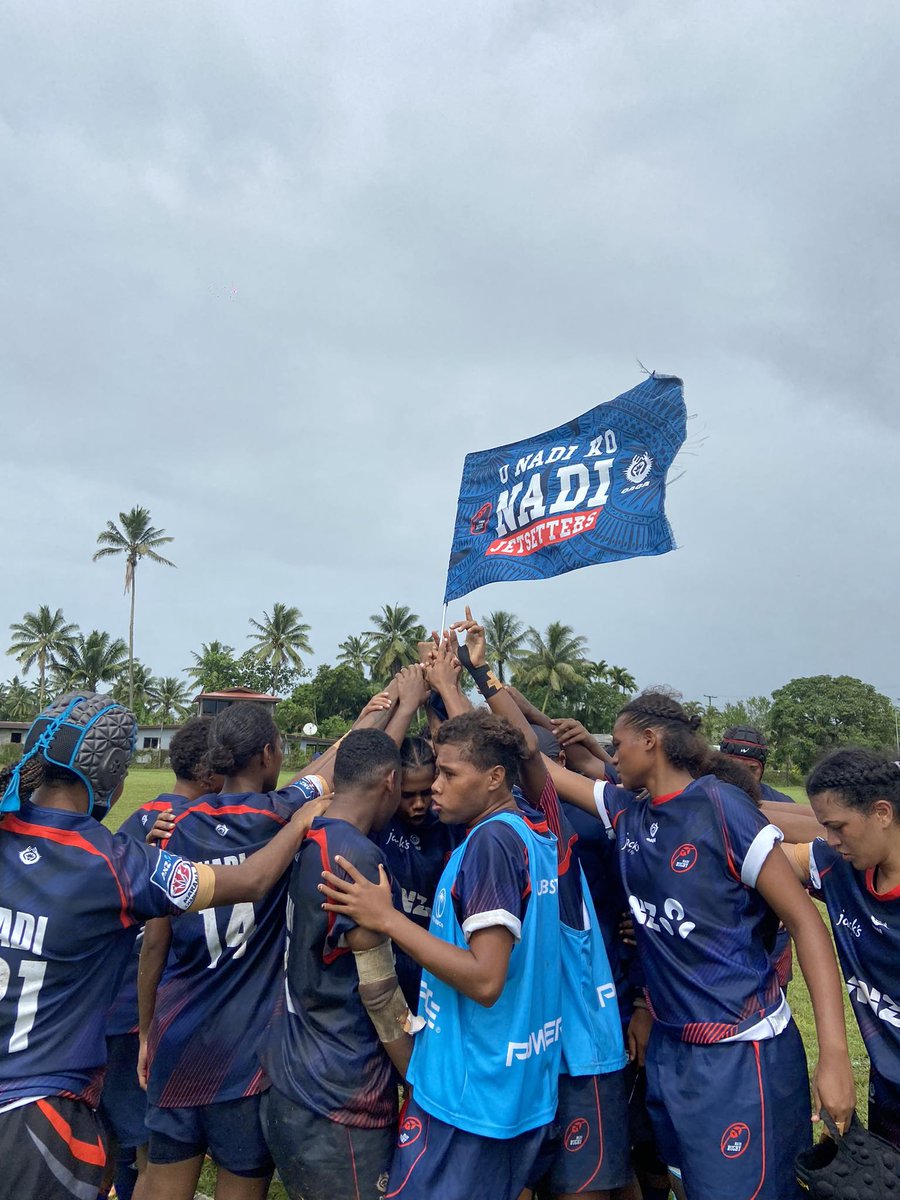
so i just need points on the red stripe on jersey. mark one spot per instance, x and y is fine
(321, 840)
(665, 799)
(893, 894)
(68, 837)
(87, 1152)
(729, 857)
(223, 810)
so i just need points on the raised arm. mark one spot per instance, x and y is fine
(442, 674)
(413, 692)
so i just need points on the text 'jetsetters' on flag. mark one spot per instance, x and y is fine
(590, 491)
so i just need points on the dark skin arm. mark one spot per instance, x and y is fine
(412, 693)
(154, 952)
(442, 674)
(478, 971)
(833, 1087)
(533, 770)
(375, 715)
(796, 821)
(400, 1050)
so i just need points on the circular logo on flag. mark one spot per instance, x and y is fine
(639, 468)
(410, 1131)
(182, 879)
(735, 1140)
(684, 858)
(577, 1134)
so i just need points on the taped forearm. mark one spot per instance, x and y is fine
(381, 995)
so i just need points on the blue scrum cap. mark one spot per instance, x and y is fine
(86, 733)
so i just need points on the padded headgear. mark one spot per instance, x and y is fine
(745, 742)
(86, 733)
(859, 1164)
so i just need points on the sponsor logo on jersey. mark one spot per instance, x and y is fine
(547, 887)
(654, 830)
(630, 846)
(672, 919)
(221, 830)
(29, 856)
(577, 1134)
(879, 925)
(414, 903)
(440, 903)
(537, 1043)
(735, 1140)
(684, 858)
(880, 1003)
(176, 877)
(414, 839)
(410, 1132)
(849, 923)
(145, 818)
(381, 1183)
(309, 786)
(428, 1008)
(607, 991)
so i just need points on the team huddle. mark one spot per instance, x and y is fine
(490, 960)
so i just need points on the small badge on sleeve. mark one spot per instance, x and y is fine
(177, 877)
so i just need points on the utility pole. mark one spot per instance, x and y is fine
(897, 727)
(709, 699)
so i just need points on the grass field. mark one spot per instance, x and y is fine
(142, 786)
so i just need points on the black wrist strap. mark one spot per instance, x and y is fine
(486, 681)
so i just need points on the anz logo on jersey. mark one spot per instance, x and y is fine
(881, 1004)
(672, 921)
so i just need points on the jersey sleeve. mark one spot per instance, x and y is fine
(747, 836)
(611, 801)
(288, 799)
(492, 884)
(821, 859)
(153, 882)
(366, 857)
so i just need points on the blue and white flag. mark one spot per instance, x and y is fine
(590, 491)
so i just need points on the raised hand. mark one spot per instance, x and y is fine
(379, 703)
(443, 673)
(567, 731)
(476, 642)
(412, 687)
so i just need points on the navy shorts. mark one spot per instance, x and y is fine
(593, 1153)
(52, 1149)
(318, 1159)
(230, 1132)
(123, 1104)
(644, 1153)
(434, 1161)
(884, 1108)
(732, 1117)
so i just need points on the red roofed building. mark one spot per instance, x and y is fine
(210, 703)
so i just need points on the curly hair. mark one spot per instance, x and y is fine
(859, 776)
(486, 741)
(363, 758)
(188, 749)
(237, 734)
(416, 753)
(678, 731)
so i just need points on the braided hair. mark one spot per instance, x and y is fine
(859, 776)
(678, 731)
(416, 753)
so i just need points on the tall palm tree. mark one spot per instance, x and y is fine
(20, 702)
(599, 671)
(142, 684)
(90, 661)
(40, 638)
(135, 539)
(356, 652)
(555, 661)
(622, 679)
(170, 697)
(280, 639)
(505, 634)
(212, 655)
(397, 629)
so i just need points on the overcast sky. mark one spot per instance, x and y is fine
(272, 269)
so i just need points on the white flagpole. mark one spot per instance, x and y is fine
(443, 621)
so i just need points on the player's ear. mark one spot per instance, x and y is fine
(651, 739)
(496, 778)
(884, 810)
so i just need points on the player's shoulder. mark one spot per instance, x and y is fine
(336, 836)
(728, 799)
(139, 823)
(773, 796)
(491, 837)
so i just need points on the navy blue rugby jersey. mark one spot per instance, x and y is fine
(783, 954)
(866, 928)
(123, 1012)
(223, 973)
(416, 856)
(322, 1050)
(689, 865)
(73, 897)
